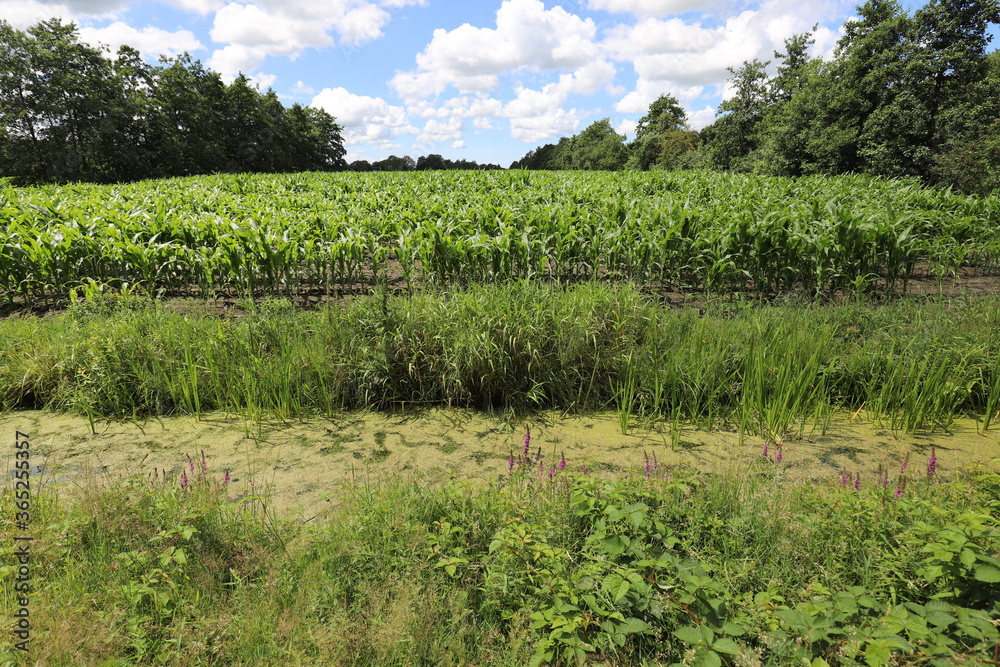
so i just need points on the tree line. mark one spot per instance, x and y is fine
(432, 162)
(903, 96)
(69, 112)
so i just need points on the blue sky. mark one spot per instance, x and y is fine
(476, 80)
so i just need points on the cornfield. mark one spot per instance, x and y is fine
(325, 232)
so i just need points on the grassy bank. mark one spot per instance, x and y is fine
(772, 370)
(550, 564)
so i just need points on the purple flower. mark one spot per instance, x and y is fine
(764, 453)
(905, 465)
(647, 463)
(225, 477)
(857, 481)
(777, 456)
(510, 463)
(184, 479)
(844, 480)
(562, 462)
(932, 464)
(204, 464)
(527, 441)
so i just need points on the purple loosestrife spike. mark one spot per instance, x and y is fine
(764, 453)
(190, 464)
(647, 463)
(510, 463)
(857, 481)
(777, 456)
(562, 462)
(656, 464)
(905, 465)
(527, 440)
(932, 464)
(225, 477)
(844, 479)
(184, 479)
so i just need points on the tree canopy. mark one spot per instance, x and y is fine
(904, 96)
(68, 112)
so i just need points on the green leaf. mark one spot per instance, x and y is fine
(709, 659)
(726, 645)
(634, 626)
(688, 634)
(987, 573)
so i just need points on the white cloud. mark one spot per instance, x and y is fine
(358, 25)
(626, 127)
(539, 113)
(701, 118)
(251, 31)
(301, 88)
(201, 7)
(482, 124)
(22, 14)
(436, 130)
(262, 81)
(150, 42)
(689, 61)
(254, 27)
(651, 7)
(458, 144)
(365, 119)
(526, 35)
(555, 123)
(235, 59)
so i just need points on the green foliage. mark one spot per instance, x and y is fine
(596, 148)
(284, 236)
(546, 565)
(71, 113)
(524, 346)
(905, 96)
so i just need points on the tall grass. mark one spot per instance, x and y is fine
(774, 370)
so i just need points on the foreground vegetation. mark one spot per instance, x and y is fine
(774, 370)
(324, 233)
(548, 564)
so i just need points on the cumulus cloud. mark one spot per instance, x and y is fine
(626, 127)
(651, 7)
(275, 33)
(540, 114)
(252, 31)
(690, 61)
(150, 42)
(701, 118)
(235, 59)
(23, 14)
(436, 130)
(201, 7)
(533, 129)
(366, 119)
(526, 35)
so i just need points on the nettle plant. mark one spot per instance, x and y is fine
(654, 567)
